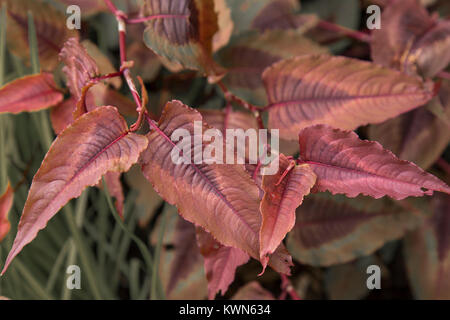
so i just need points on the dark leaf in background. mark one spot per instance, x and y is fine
(427, 253)
(51, 31)
(331, 230)
(411, 40)
(246, 57)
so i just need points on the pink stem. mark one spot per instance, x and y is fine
(288, 287)
(360, 36)
(444, 75)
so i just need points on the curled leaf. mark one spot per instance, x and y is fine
(182, 32)
(221, 262)
(342, 92)
(283, 193)
(96, 143)
(79, 67)
(345, 164)
(6, 202)
(411, 40)
(30, 93)
(221, 198)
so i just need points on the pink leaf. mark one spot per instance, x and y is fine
(30, 93)
(221, 198)
(96, 143)
(342, 92)
(283, 193)
(6, 202)
(345, 164)
(221, 262)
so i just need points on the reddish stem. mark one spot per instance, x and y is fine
(287, 286)
(158, 16)
(360, 36)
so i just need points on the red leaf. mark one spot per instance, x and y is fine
(96, 143)
(283, 193)
(30, 93)
(221, 262)
(342, 92)
(6, 202)
(345, 164)
(221, 198)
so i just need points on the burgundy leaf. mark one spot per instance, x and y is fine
(6, 202)
(186, 252)
(342, 92)
(51, 30)
(411, 40)
(417, 136)
(334, 229)
(96, 143)
(221, 262)
(279, 14)
(30, 93)
(427, 253)
(221, 198)
(265, 14)
(283, 193)
(345, 164)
